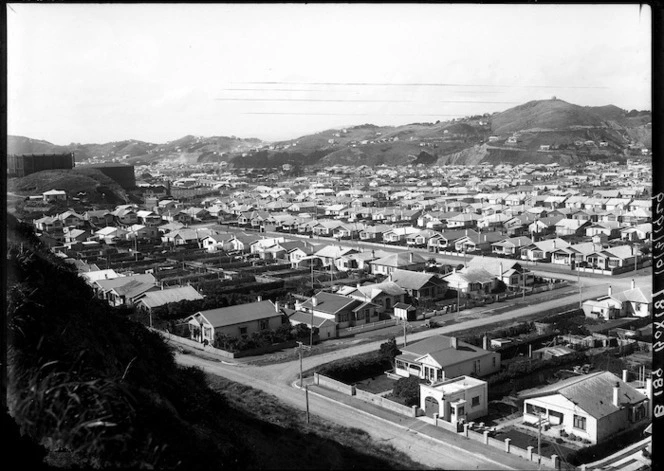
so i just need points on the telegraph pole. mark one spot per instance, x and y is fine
(405, 324)
(300, 348)
(311, 331)
(539, 441)
(306, 395)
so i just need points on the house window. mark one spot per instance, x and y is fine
(243, 331)
(579, 422)
(535, 410)
(461, 410)
(263, 324)
(474, 402)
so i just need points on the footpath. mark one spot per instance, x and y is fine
(420, 426)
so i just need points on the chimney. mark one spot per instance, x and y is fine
(259, 299)
(500, 273)
(314, 301)
(616, 394)
(485, 342)
(624, 376)
(410, 257)
(530, 350)
(276, 306)
(357, 285)
(633, 283)
(610, 290)
(389, 277)
(454, 342)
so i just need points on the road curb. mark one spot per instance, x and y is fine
(408, 429)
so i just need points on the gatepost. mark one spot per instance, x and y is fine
(507, 445)
(554, 461)
(486, 437)
(530, 453)
(465, 430)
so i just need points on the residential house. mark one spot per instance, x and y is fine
(477, 241)
(463, 220)
(385, 295)
(420, 239)
(236, 321)
(440, 357)
(373, 233)
(153, 299)
(472, 282)
(331, 254)
(327, 328)
(400, 260)
(610, 228)
(399, 234)
(343, 310)
(570, 227)
(214, 242)
(420, 286)
(110, 234)
(641, 232)
(125, 215)
(149, 218)
(511, 246)
(545, 226)
(463, 398)
(71, 219)
(594, 407)
(99, 218)
(76, 235)
(53, 196)
(124, 291)
(541, 251)
(48, 224)
(511, 272)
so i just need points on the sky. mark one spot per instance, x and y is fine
(94, 73)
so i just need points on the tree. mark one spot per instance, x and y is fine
(389, 350)
(408, 389)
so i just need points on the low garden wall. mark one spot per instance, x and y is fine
(224, 353)
(386, 403)
(333, 384)
(366, 327)
(504, 445)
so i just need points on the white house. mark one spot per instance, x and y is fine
(461, 398)
(594, 407)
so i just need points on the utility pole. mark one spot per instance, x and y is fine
(405, 325)
(300, 348)
(578, 280)
(306, 395)
(311, 331)
(539, 441)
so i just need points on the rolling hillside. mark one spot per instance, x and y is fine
(555, 123)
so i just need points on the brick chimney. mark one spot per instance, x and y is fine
(610, 290)
(616, 394)
(454, 343)
(485, 342)
(410, 257)
(314, 301)
(276, 306)
(624, 376)
(259, 299)
(633, 283)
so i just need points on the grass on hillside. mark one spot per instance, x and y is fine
(329, 446)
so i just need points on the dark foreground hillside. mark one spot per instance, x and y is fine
(87, 388)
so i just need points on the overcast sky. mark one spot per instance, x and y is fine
(99, 72)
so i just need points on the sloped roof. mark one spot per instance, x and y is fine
(154, 299)
(226, 316)
(115, 283)
(400, 259)
(592, 393)
(408, 279)
(439, 347)
(331, 303)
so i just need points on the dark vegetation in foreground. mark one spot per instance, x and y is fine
(89, 388)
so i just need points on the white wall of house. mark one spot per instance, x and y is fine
(557, 403)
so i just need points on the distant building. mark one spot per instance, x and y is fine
(22, 165)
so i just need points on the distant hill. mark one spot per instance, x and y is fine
(555, 124)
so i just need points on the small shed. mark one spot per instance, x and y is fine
(405, 311)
